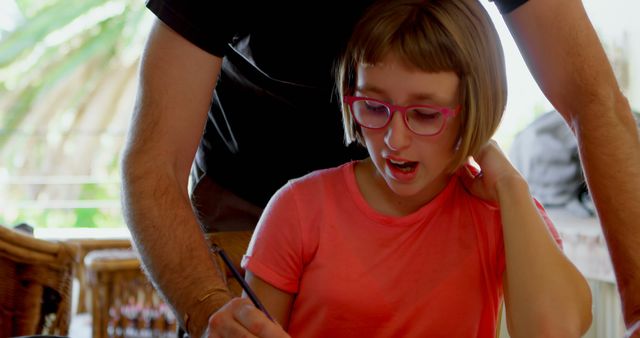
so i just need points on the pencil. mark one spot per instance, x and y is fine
(242, 282)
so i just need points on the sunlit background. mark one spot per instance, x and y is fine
(68, 78)
(67, 82)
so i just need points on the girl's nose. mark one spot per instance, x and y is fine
(397, 136)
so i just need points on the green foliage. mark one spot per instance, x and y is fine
(56, 40)
(65, 218)
(34, 50)
(35, 29)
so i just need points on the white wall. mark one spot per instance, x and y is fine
(618, 26)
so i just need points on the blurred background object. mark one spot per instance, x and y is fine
(67, 82)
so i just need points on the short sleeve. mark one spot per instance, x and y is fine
(507, 6)
(275, 253)
(210, 25)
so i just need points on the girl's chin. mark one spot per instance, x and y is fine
(404, 189)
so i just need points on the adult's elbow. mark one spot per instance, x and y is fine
(132, 166)
(602, 105)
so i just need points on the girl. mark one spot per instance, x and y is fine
(413, 241)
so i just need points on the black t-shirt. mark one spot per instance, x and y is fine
(274, 115)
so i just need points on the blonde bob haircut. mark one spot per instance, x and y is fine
(433, 36)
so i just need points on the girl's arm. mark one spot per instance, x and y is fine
(276, 245)
(545, 295)
(277, 302)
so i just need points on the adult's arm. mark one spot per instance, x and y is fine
(567, 60)
(175, 86)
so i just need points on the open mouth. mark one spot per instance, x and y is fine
(406, 167)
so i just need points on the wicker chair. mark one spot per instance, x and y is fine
(83, 247)
(35, 288)
(123, 302)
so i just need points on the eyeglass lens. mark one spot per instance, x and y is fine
(421, 120)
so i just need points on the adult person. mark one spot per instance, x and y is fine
(275, 71)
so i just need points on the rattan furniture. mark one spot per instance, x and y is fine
(82, 247)
(35, 287)
(123, 302)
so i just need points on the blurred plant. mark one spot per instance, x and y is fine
(67, 82)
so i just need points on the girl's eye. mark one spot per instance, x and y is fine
(375, 106)
(429, 116)
(426, 114)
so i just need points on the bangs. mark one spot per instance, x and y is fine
(433, 36)
(416, 36)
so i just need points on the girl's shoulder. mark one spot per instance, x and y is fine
(322, 178)
(469, 200)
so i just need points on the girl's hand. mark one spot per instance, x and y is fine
(495, 169)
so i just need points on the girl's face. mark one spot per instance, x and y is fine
(409, 165)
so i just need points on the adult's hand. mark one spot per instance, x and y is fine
(240, 318)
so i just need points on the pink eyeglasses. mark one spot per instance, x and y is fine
(425, 120)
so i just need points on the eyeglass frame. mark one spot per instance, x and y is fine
(446, 112)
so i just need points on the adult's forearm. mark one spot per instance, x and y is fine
(546, 295)
(610, 154)
(170, 242)
(565, 56)
(176, 82)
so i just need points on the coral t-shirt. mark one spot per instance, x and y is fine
(358, 273)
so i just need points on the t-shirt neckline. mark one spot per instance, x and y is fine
(436, 204)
